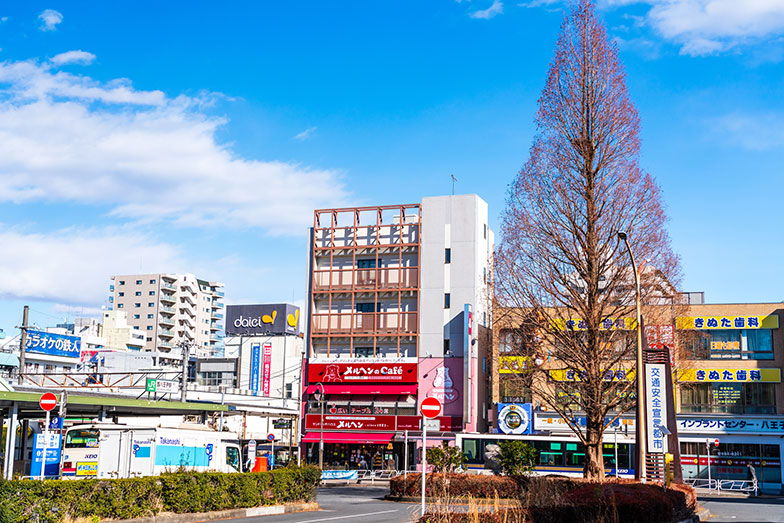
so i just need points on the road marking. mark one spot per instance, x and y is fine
(347, 517)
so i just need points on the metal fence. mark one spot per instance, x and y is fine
(748, 486)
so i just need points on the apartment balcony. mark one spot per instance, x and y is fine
(215, 337)
(167, 298)
(165, 345)
(167, 310)
(219, 293)
(168, 286)
(188, 298)
(217, 305)
(365, 323)
(163, 320)
(184, 309)
(166, 333)
(217, 316)
(215, 327)
(352, 279)
(185, 320)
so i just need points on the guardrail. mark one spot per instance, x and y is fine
(749, 486)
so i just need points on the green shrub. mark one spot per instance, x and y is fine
(445, 458)
(517, 458)
(182, 492)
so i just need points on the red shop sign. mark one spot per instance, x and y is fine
(349, 422)
(362, 372)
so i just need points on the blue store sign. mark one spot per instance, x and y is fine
(52, 455)
(53, 344)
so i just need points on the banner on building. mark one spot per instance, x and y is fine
(727, 322)
(364, 370)
(255, 363)
(655, 406)
(256, 320)
(266, 369)
(53, 344)
(515, 418)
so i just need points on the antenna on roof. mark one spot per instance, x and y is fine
(453, 183)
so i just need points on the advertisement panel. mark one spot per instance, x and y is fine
(378, 423)
(442, 378)
(52, 455)
(266, 369)
(515, 418)
(729, 375)
(261, 319)
(363, 370)
(727, 322)
(53, 344)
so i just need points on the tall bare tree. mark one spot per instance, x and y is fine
(560, 264)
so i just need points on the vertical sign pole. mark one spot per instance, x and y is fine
(45, 445)
(424, 460)
(405, 454)
(707, 447)
(616, 451)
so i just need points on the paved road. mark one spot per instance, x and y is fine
(353, 504)
(744, 510)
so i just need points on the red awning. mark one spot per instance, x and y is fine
(364, 388)
(347, 437)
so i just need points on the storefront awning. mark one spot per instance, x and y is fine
(344, 437)
(364, 388)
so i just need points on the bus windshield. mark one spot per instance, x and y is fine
(81, 439)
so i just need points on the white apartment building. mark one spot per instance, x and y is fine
(172, 309)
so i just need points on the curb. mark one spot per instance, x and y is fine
(478, 501)
(171, 517)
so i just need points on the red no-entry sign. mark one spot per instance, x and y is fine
(48, 401)
(430, 407)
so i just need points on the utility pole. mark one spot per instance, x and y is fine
(23, 343)
(185, 356)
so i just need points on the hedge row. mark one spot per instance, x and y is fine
(552, 500)
(182, 492)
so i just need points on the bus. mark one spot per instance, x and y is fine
(560, 454)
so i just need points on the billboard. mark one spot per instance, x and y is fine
(515, 418)
(53, 344)
(442, 378)
(259, 320)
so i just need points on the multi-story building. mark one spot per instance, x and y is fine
(172, 309)
(726, 360)
(398, 311)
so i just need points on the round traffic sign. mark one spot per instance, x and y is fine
(48, 401)
(271, 437)
(430, 407)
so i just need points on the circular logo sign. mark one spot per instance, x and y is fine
(430, 407)
(513, 419)
(48, 401)
(271, 437)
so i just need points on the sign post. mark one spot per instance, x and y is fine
(430, 408)
(271, 439)
(47, 402)
(251, 454)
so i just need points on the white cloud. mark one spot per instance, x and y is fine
(73, 265)
(49, 19)
(485, 14)
(757, 132)
(73, 57)
(148, 157)
(304, 135)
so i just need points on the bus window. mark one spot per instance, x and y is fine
(233, 457)
(470, 448)
(81, 439)
(575, 455)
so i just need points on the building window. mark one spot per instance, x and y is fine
(363, 352)
(289, 390)
(366, 264)
(151, 304)
(152, 293)
(447, 255)
(119, 305)
(137, 305)
(120, 294)
(733, 398)
(150, 316)
(367, 307)
(122, 282)
(446, 348)
(138, 293)
(149, 339)
(138, 282)
(731, 344)
(447, 300)
(485, 231)
(149, 327)
(135, 316)
(152, 282)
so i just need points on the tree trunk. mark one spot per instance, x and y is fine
(594, 461)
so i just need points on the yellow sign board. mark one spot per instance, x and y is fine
(727, 322)
(729, 375)
(609, 375)
(607, 324)
(513, 364)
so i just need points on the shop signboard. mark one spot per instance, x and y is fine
(735, 425)
(266, 369)
(656, 406)
(607, 324)
(339, 474)
(552, 422)
(255, 362)
(727, 322)
(262, 319)
(281, 423)
(729, 375)
(53, 446)
(442, 378)
(394, 370)
(53, 344)
(515, 418)
(378, 423)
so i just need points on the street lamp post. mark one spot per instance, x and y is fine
(640, 421)
(320, 398)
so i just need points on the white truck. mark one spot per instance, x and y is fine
(102, 450)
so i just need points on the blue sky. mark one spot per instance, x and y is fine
(199, 137)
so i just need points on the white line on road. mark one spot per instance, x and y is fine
(346, 517)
